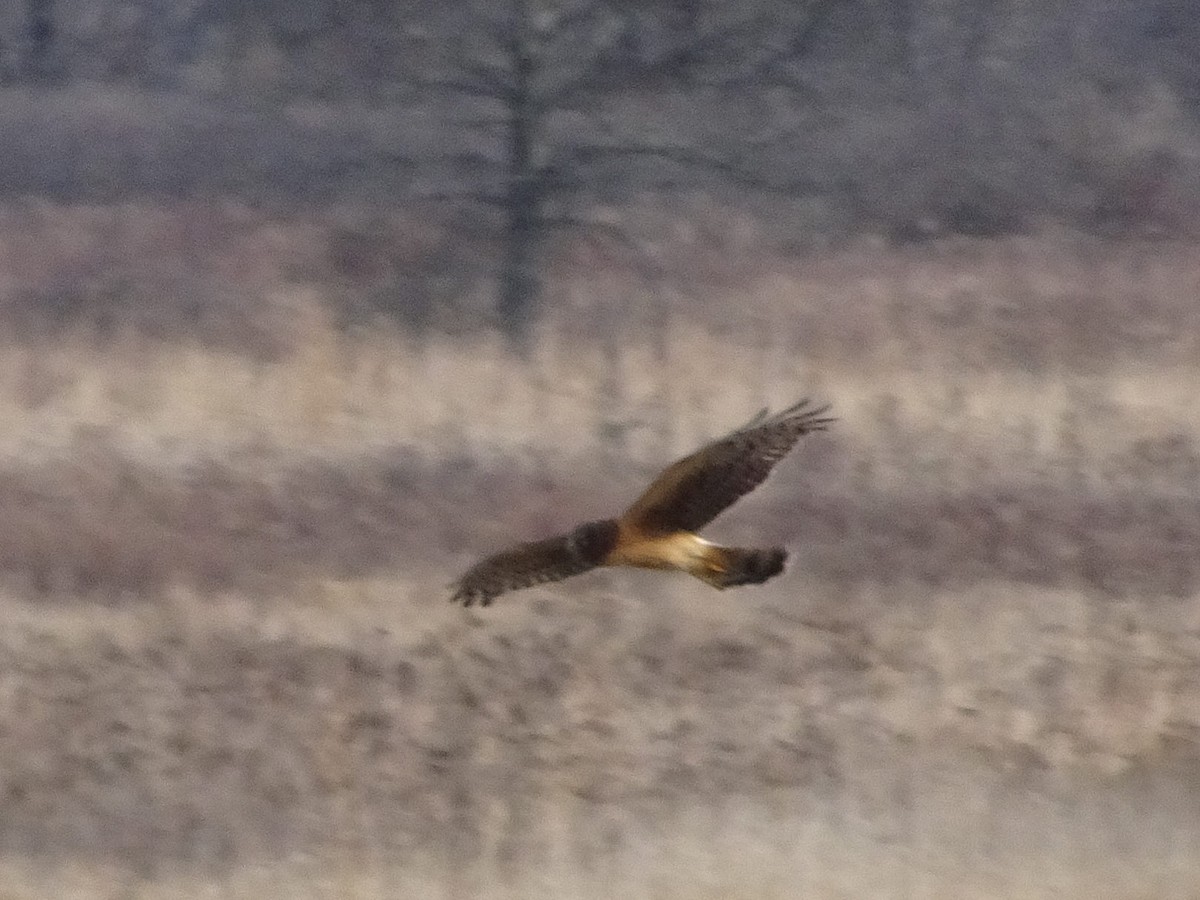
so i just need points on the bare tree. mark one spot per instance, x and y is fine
(532, 92)
(39, 38)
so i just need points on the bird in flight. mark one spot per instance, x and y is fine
(659, 530)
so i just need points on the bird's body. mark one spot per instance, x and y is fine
(677, 550)
(659, 530)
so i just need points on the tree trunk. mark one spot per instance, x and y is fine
(39, 39)
(520, 285)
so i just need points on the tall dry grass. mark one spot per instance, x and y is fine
(227, 660)
(123, 328)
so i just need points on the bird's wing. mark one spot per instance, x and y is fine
(538, 562)
(693, 491)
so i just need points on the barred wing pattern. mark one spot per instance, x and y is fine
(693, 491)
(538, 562)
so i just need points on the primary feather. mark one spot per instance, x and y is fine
(537, 562)
(693, 491)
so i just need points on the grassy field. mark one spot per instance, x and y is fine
(233, 501)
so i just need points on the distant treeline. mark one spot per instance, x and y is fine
(517, 122)
(358, 47)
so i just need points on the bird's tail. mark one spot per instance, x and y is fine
(731, 566)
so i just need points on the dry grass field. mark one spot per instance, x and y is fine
(231, 508)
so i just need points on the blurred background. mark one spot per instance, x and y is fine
(306, 305)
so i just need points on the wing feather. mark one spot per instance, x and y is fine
(693, 491)
(537, 562)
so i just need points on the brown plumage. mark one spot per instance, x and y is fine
(658, 530)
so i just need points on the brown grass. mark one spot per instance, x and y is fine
(202, 739)
(227, 660)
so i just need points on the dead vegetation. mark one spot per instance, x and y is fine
(222, 561)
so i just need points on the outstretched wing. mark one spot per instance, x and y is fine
(522, 566)
(525, 565)
(693, 491)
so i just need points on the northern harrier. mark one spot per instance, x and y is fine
(659, 530)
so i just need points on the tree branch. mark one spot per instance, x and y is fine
(484, 72)
(471, 78)
(620, 145)
(680, 155)
(462, 87)
(483, 198)
(469, 159)
(763, 72)
(585, 81)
